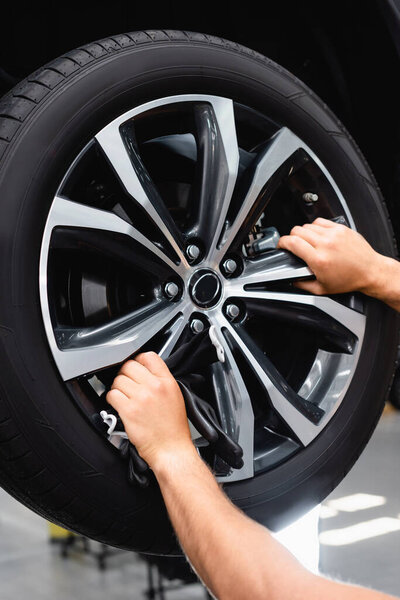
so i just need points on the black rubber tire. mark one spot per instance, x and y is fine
(51, 459)
(394, 395)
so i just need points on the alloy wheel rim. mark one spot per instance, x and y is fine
(230, 200)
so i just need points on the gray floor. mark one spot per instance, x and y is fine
(374, 561)
(367, 503)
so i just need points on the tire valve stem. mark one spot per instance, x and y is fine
(212, 332)
(310, 197)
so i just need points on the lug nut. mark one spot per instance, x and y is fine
(193, 251)
(232, 310)
(171, 289)
(309, 197)
(197, 326)
(230, 266)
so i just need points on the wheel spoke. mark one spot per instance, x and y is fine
(82, 351)
(139, 185)
(217, 168)
(235, 409)
(275, 265)
(329, 334)
(174, 332)
(302, 417)
(65, 213)
(349, 318)
(281, 147)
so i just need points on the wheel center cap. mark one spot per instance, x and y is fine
(205, 288)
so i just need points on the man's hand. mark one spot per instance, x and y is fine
(340, 258)
(150, 404)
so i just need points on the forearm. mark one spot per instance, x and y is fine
(384, 283)
(228, 551)
(235, 557)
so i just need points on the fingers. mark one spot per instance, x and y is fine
(308, 232)
(124, 384)
(316, 228)
(141, 374)
(298, 246)
(136, 371)
(117, 399)
(326, 223)
(154, 364)
(314, 287)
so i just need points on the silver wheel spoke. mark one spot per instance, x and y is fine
(81, 351)
(174, 332)
(235, 408)
(138, 184)
(303, 428)
(283, 144)
(65, 213)
(274, 266)
(218, 162)
(349, 318)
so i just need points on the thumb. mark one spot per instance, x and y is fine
(314, 287)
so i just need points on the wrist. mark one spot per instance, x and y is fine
(380, 274)
(173, 458)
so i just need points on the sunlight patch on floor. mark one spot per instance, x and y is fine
(355, 502)
(359, 532)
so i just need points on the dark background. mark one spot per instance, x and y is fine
(347, 51)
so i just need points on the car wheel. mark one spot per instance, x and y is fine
(131, 169)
